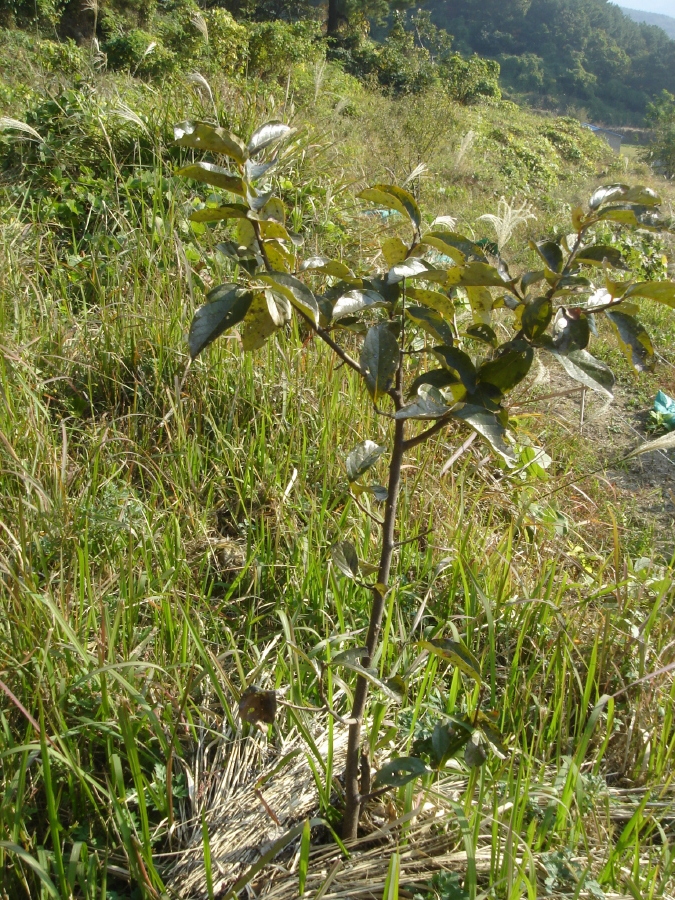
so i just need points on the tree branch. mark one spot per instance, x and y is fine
(438, 425)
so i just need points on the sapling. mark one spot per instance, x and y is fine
(400, 316)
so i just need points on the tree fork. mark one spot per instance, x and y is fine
(350, 820)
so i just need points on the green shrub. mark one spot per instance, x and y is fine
(65, 57)
(276, 46)
(472, 80)
(139, 52)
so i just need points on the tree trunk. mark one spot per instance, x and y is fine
(350, 820)
(333, 20)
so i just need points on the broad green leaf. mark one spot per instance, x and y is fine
(325, 266)
(536, 317)
(345, 558)
(298, 293)
(399, 771)
(391, 197)
(530, 278)
(481, 302)
(482, 332)
(606, 193)
(551, 253)
(438, 378)
(267, 134)
(661, 291)
(475, 274)
(584, 368)
(432, 322)
(488, 426)
(457, 361)
(354, 302)
(227, 305)
(208, 173)
(508, 369)
(571, 331)
(266, 315)
(454, 245)
(362, 458)
(272, 230)
(394, 251)
(246, 234)
(210, 214)
(457, 654)
(254, 171)
(434, 299)
(633, 340)
(383, 199)
(411, 268)
(430, 404)
(474, 755)
(277, 256)
(624, 214)
(379, 359)
(201, 136)
(598, 254)
(380, 493)
(273, 209)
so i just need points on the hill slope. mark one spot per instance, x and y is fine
(667, 23)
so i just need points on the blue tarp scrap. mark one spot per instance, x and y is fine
(664, 407)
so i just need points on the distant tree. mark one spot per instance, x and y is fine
(661, 115)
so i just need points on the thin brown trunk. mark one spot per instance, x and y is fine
(350, 820)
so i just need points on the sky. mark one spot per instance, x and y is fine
(665, 7)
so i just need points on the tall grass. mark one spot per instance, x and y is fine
(164, 531)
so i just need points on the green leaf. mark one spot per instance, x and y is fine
(633, 340)
(530, 278)
(266, 315)
(298, 293)
(438, 378)
(447, 740)
(345, 558)
(326, 266)
(639, 194)
(208, 173)
(430, 404)
(379, 359)
(661, 291)
(475, 274)
(509, 368)
(483, 333)
(354, 302)
(551, 253)
(584, 368)
(379, 493)
(267, 134)
(474, 755)
(488, 426)
(434, 299)
(394, 251)
(624, 214)
(391, 197)
(457, 654)
(481, 302)
(454, 245)
(362, 458)
(457, 361)
(410, 268)
(399, 771)
(571, 331)
(598, 254)
(227, 305)
(210, 214)
(536, 317)
(432, 322)
(201, 136)
(273, 230)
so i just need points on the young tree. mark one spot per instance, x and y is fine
(406, 314)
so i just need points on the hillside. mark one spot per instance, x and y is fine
(583, 56)
(189, 547)
(667, 23)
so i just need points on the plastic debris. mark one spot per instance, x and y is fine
(664, 411)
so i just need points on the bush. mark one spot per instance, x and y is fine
(472, 80)
(139, 52)
(661, 115)
(276, 46)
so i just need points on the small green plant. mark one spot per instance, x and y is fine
(401, 316)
